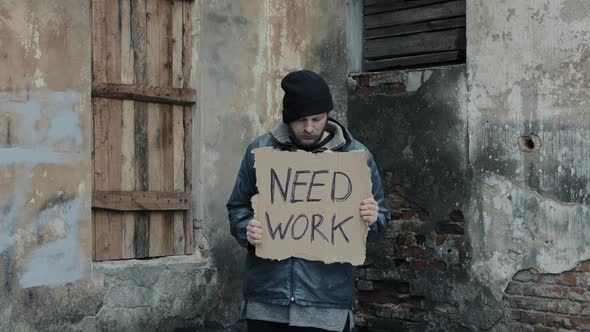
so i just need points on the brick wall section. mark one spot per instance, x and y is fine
(390, 83)
(415, 255)
(549, 302)
(413, 276)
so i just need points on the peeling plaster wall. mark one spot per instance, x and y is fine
(45, 181)
(529, 72)
(445, 143)
(48, 281)
(45, 236)
(245, 48)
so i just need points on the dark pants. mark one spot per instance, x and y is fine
(264, 326)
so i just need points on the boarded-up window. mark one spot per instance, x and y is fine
(413, 33)
(141, 128)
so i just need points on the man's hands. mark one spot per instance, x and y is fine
(254, 232)
(369, 211)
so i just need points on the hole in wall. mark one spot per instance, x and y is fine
(530, 143)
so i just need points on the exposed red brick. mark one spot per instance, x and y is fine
(461, 255)
(452, 229)
(568, 322)
(400, 262)
(436, 265)
(440, 239)
(415, 252)
(579, 294)
(568, 279)
(363, 80)
(584, 267)
(514, 288)
(405, 239)
(532, 317)
(578, 290)
(417, 264)
(408, 226)
(408, 214)
(456, 216)
(540, 328)
(393, 88)
(423, 215)
(581, 323)
(396, 216)
(397, 201)
(367, 90)
(542, 290)
(559, 321)
(547, 278)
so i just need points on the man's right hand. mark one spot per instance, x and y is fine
(254, 232)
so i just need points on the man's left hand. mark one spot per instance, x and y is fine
(369, 211)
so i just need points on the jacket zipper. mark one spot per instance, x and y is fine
(292, 278)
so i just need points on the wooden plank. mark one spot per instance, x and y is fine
(166, 117)
(428, 42)
(101, 181)
(423, 59)
(154, 94)
(178, 170)
(100, 120)
(188, 126)
(177, 44)
(400, 30)
(388, 5)
(99, 73)
(139, 43)
(113, 43)
(188, 171)
(177, 125)
(113, 63)
(415, 15)
(140, 200)
(187, 44)
(154, 125)
(128, 175)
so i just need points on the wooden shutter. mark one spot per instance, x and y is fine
(410, 33)
(141, 128)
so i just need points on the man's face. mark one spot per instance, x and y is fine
(308, 131)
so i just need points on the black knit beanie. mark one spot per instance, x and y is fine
(306, 93)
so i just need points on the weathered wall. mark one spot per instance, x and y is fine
(241, 49)
(452, 148)
(529, 72)
(44, 134)
(246, 47)
(45, 238)
(48, 281)
(417, 276)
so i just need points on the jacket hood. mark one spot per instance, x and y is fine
(280, 133)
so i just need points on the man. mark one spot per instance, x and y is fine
(297, 294)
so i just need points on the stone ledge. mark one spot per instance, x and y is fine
(177, 262)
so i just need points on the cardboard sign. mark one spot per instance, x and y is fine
(308, 204)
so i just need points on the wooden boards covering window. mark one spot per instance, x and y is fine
(142, 125)
(411, 33)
